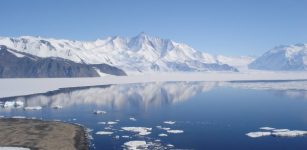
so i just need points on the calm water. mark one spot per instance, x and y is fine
(212, 115)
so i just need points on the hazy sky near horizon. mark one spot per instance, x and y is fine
(229, 27)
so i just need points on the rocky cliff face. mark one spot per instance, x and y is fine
(14, 64)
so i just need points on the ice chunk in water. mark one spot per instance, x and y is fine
(134, 145)
(162, 134)
(175, 131)
(99, 112)
(132, 119)
(140, 130)
(291, 133)
(266, 128)
(33, 108)
(9, 104)
(169, 122)
(104, 133)
(258, 134)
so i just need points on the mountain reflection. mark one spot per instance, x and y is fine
(147, 95)
(119, 96)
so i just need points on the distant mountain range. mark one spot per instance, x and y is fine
(120, 56)
(283, 58)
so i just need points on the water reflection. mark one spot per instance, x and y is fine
(119, 96)
(147, 95)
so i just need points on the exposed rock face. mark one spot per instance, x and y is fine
(15, 64)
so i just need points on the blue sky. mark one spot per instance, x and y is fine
(230, 27)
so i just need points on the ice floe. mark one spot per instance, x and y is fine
(101, 123)
(258, 134)
(111, 122)
(9, 104)
(139, 130)
(277, 133)
(281, 130)
(134, 145)
(292, 133)
(99, 112)
(163, 128)
(33, 108)
(19, 103)
(132, 119)
(175, 131)
(169, 122)
(267, 128)
(104, 133)
(170, 145)
(125, 136)
(162, 134)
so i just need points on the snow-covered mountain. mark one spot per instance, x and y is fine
(141, 53)
(283, 58)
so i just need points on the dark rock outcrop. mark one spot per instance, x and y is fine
(14, 64)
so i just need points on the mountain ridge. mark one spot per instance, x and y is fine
(141, 53)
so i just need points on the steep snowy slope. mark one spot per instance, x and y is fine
(283, 58)
(141, 53)
(14, 64)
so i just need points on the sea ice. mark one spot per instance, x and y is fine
(281, 130)
(33, 108)
(132, 119)
(101, 123)
(140, 130)
(9, 104)
(175, 131)
(19, 103)
(163, 128)
(104, 133)
(169, 122)
(267, 128)
(291, 133)
(112, 122)
(162, 134)
(258, 134)
(99, 112)
(125, 136)
(134, 145)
